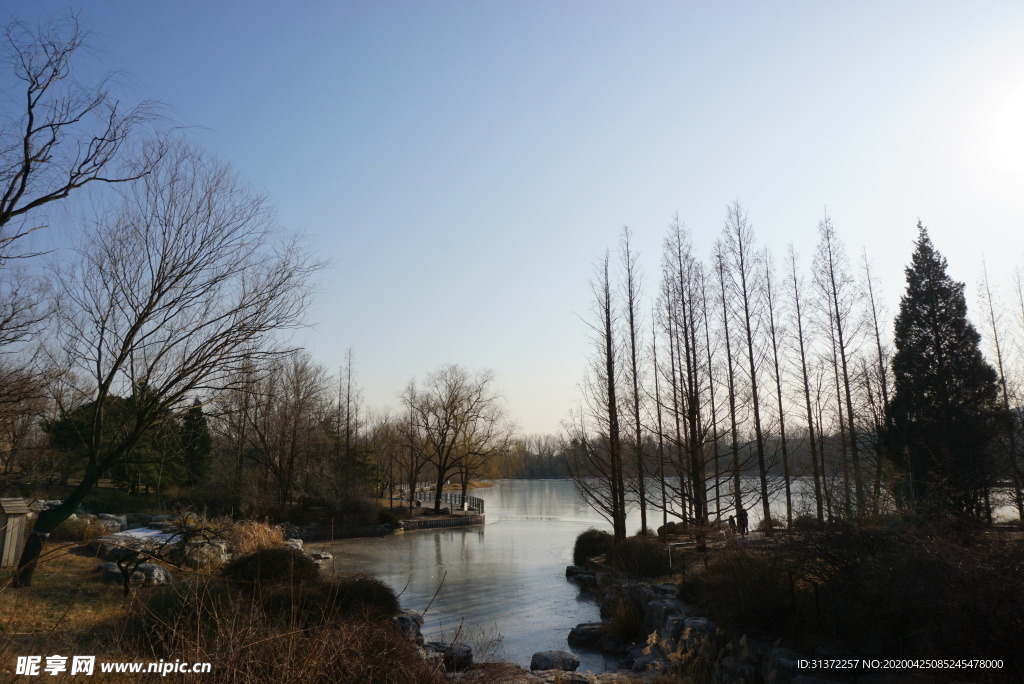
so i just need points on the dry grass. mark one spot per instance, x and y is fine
(247, 536)
(79, 529)
(62, 593)
(202, 618)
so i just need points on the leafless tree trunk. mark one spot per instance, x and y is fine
(845, 463)
(595, 462)
(733, 427)
(1011, 441)
(661, 430)
(739, 238)
(835, 284)
(798, 316)
(711, 394)
(631, 287)
(774, 339)
(882, 363)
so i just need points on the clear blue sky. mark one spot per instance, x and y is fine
(464, 164)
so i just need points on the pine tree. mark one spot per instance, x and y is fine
(195, 443)
(944, 412)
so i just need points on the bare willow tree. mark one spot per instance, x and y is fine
(174, 291)
(58, 133)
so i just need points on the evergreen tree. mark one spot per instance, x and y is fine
(195, 443)
(944, 412)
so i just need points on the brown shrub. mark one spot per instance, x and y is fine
(590, 543)
(342, 597)
(891, 586)
(212, 621)
(268, 566)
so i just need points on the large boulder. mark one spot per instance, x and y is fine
(734, 670)
(586, 634)
(120, 521)
(455, 657)
(612, 644)
(155, 574)
(782, 665)
(697, 630)
(657, 611)
(649, 662)
(116, 547)
(554, 660)
(409, 623)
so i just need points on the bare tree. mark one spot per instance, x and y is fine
(683, 274)
(774, 337)
(739, 245)
(796, 283)
(59, 133)
(180, 286)
(457, 416)
(1011, 433)
(720, 269)
(835, 285)
(287, 428)
(595, 454)
(346, 420)
(631, 293)
(881, 366)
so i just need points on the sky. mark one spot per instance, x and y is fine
(464, 165)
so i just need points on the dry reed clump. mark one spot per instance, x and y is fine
(247, 536)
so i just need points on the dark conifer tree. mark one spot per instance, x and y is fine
(945, 409)
(195, 443)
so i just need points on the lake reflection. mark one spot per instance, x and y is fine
(506, 577)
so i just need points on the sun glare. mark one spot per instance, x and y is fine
(1007, 131)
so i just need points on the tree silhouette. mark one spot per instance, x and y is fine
(944, 409)
(195, 443)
